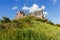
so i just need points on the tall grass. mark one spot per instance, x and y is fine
(28, 28)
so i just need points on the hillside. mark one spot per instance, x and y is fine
(28, 28)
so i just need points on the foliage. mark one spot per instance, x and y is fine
(45, 20)
(57, 25)
(29, 28)
(50, 23)
(5, 20)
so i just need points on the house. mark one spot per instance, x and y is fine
(38, 14)
(19, 14)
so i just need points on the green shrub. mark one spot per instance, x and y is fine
(29, 28)
(40, 20)
(57, 25)
(5, 20)
(49, 22)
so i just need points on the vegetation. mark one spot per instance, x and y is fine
(57, 25)
(28, 28)
(5, 20)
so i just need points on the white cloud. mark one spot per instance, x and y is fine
(14, 8)
(25, 8)
(43, 7)
(45, 13)
(33, 8)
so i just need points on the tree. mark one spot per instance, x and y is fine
(5, 19)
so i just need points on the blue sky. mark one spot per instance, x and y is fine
(9, 8)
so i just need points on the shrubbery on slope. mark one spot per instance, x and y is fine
(28, 28)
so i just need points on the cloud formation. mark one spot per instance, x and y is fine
(33, 8)
(14, 8)
(45, 13)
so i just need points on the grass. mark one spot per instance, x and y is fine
(28, 29)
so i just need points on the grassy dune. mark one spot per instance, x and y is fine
(28, 29)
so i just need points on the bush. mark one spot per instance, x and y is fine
(5, 20)
(29, 28)
(51, 23)
(40, 20)
(57, 25)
